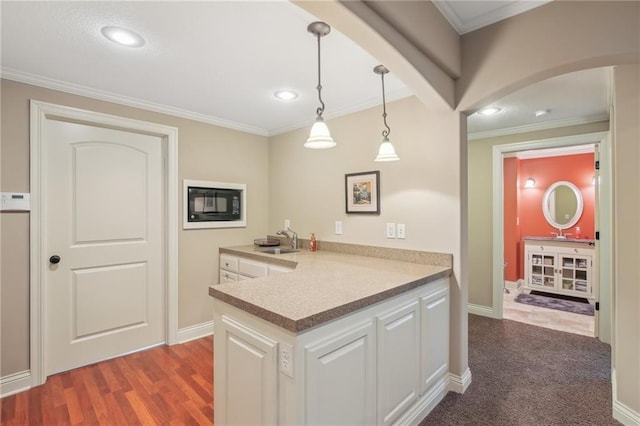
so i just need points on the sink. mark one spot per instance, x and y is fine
(276, 250)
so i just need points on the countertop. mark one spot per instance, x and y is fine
(561, 240)
(324, 285)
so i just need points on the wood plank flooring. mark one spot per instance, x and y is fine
(168, 385)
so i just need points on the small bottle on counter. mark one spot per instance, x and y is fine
(578, 236)
(313, 243)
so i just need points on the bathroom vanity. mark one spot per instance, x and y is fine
(561, 265)
(340, 339)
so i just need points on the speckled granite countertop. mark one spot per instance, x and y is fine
(324, 285)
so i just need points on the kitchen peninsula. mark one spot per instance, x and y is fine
(341, 339)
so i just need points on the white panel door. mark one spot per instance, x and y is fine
(104, 218)
(398, 361)
(341, 383)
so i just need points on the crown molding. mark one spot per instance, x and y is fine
(463, 26)
(537, 127)
(76, 89)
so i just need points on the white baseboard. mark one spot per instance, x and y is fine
(513, 285)
(625, 415)
(15, 383)
(459, 384)
(484, 311)
(195, 332)
(621, 412)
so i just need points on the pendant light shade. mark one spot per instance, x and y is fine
(319, 138)
(386, 152)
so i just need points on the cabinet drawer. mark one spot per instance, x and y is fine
(252, 269)
(228, 263)
(228, 277)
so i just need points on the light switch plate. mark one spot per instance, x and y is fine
(391, 230)
(400, 231)
(287, 224)
(338, 227)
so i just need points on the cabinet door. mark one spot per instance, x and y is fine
(575, 273)
(248, 376)
(542, 270)
(398, 361)
(341, 383)
(435, 338)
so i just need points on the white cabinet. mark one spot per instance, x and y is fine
(341, 378)
(398, 361)
(238, 268)
(560, 267)
(249, 376)
(434, 311)
(384, 364)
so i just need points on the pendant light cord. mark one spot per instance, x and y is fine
(320, 110)
(385, 133)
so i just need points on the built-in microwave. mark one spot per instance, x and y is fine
(214, 204)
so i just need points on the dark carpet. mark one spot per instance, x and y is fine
(530, 376)
(557, 302)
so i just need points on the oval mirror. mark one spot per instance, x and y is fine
(562, 205)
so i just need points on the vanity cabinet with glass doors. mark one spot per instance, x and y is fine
(563, 266)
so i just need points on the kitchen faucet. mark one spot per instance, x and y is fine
(294, 239)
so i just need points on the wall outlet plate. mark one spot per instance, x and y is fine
(338, 227)
(391, 230)
(400, 231)
(287, 224)
(285, 360)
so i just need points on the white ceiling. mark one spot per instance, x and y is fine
(221, 62)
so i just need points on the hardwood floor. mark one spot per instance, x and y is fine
(169, 385)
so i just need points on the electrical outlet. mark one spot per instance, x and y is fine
(286, 359)
(287, 224)
(338, 227)
(391, 230)
(400, 231)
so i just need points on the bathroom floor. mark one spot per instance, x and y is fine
(547, 318)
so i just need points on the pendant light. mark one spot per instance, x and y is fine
(386, 152)
(319, 138)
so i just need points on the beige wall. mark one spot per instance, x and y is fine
(626, 241)
(556, 38)
(422, 190)
(480, 169)
(206, 152)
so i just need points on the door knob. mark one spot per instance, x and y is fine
(54, 259)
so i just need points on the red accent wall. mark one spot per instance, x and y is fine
(577, 169)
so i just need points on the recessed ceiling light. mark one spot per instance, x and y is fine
(542, 112)
(285, 95)
(122, 36)
(489, 110)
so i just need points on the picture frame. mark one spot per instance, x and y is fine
(362, 192)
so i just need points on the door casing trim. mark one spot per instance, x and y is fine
(39, 113)
(605, 253)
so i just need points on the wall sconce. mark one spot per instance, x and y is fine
(386, 152)
(319, 138)
(530, 183)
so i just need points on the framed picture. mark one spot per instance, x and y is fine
(362, 192)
